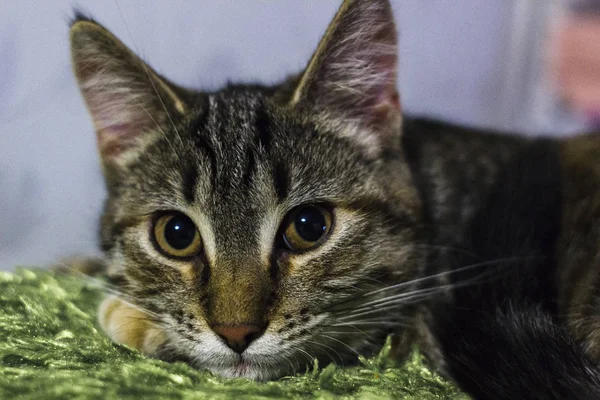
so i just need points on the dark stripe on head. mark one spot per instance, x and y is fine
(281, 180)
(250, 167)
(261, 144)
(199, 124)
(203, 144)
(189, 176)
(263, 129)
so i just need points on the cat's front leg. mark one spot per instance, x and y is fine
(126, 324)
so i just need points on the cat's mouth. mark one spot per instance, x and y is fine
(242, 367)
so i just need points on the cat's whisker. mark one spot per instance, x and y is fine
(351, 332)
(363, 328)
(374, 306)
(335, 307)
(155, 321)
(375, 323)
(374, 312)
(70, 268)
(310, 358)
(129, 300)
(339, 341)
(376, 316)
(349, 304)
(292, 368)
(91, 280)
(394, 305)
(124, 325)
(158, 334)
(288, 357)
(148, 315)
(384, 300)
(442, 275)
(355, 330)
(327, 348)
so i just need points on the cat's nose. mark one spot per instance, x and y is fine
(238, 337)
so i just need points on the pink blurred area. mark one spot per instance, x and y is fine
(574, 62)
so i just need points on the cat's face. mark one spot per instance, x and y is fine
(258, 226)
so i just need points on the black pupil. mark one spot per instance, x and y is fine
(310, 224)
(180, 232)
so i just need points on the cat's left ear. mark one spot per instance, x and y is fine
(352, 76)
(129, 102)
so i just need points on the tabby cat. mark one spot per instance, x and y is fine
(252, 229)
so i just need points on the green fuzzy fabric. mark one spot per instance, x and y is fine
(51, 348)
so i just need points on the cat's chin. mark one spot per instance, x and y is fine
(253, 367)
(247, 370)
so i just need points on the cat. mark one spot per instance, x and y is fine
(252, 229)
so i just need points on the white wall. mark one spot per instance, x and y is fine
(454, 64)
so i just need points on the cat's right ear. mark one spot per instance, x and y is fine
(351, 80)
(128, 101)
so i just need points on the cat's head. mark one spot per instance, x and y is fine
(261, 226)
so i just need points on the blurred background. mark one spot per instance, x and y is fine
(503, 64)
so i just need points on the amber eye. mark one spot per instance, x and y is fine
(177, 235)
(306, 227)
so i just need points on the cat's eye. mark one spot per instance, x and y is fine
(306, 227)
(177, 235)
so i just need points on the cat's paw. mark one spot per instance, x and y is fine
(126, 324)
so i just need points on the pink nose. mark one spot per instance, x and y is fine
(238, 337)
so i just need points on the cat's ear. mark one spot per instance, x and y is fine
(353, 73)
(127, 100)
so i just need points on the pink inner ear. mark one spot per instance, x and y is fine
(118, 138)
(118, 119)
(386, 109)
(382, 100)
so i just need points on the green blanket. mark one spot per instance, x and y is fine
(51, 348)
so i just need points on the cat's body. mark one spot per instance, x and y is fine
(519, 215)
(517, 220)
(251, 229)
